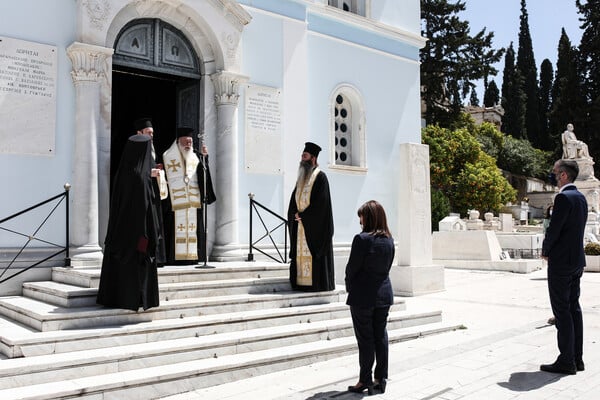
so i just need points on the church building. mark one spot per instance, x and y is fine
(256, 79)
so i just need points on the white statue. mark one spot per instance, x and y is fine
(573, 148)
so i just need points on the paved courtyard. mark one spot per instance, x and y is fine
(496, 356)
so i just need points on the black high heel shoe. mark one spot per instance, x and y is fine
(360, 387)
(381, 385)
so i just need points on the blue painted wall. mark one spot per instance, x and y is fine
(29, 179)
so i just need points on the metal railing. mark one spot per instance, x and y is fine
(32, 237)
(255, 207)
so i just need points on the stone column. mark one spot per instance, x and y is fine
(89, 70)
(415, 273)
(226, 247)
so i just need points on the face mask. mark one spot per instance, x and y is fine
(552, 179)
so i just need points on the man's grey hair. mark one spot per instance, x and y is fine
(570, 167)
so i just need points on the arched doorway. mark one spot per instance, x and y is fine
(156, 73)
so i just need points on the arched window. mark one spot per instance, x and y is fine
(354, 6)
(348, 129)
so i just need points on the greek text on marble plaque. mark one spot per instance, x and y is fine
(27, 96)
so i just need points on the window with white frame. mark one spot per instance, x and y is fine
(353, 6)
(348, 128)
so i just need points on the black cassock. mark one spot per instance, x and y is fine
(168, 217)
(129, 276)
(317, 220)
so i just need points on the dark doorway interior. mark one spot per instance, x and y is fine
(135, 94)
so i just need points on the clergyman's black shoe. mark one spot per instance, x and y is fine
(559, 368)
(580, 365)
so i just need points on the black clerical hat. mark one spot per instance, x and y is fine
(312, 149)
(142, 123)
(184, 131)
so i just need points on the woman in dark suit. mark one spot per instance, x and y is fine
(370, 294)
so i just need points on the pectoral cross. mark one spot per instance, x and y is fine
(174, 165)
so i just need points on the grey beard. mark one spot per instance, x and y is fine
(305, 170)
(186, 155)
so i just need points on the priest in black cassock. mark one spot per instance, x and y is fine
(129, 276)
(310, 221)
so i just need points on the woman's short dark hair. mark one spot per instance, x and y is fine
(373, 219)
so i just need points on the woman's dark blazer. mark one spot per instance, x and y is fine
(367, 272)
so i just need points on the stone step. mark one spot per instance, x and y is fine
(68, 295)
(90, 277)
(27, 343)
(77, 364)
(152, 382)
(47, 317)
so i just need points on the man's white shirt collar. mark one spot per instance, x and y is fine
(566, 186)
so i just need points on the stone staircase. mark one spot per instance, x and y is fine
(212, 326)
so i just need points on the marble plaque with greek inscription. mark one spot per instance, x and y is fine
(263, 130)
(27, 97)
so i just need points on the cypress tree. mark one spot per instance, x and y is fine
(491, 97)
(589, 55)
(474, 100)
(452, 60)
(567, 101)
(513, 98)
(546, 78)
(527, 67)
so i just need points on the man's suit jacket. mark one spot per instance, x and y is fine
(563, 243)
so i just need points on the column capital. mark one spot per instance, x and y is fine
(227, 87)
(89, 61)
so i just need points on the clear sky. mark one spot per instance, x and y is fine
(546, 18)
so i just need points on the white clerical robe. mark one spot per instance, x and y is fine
(184, 193)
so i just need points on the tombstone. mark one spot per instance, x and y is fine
(593, 223)
(491, 223)
(506, 222)
(474, 223)
(452, 223)
(414, 272)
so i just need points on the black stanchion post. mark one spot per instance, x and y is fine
(250, 255)
(67, 187)
(204, 214)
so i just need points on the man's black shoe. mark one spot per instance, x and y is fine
(558, 368)
(580, 365)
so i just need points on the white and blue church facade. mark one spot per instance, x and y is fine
(255, 78)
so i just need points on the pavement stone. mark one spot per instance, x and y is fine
(496, 356)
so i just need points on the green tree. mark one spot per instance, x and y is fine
(463, 173)
(513, 97)
(491, 97)
(527, 67)
(589, 50)
(546, 78)
(567, 100)
(474, 100)
(452, 60)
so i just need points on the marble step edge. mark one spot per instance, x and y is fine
(25, 343)
(43, 316)
(164, 380)
(44, 310)
(90, 277)
(217, 344)
(63, 294)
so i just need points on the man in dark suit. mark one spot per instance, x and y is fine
(563, 250)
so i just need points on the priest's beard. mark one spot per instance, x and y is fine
(186, 154)
(305, 170)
